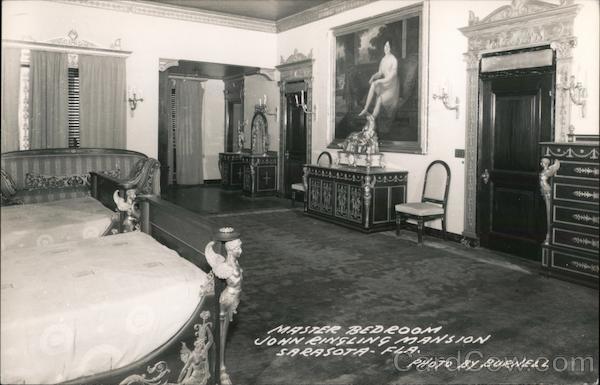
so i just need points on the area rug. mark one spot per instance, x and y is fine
(450, 314)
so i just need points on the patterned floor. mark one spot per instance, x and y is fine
(299, 271)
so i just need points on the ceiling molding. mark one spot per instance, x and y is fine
(319, 12)
(147, 8)
(178, 13)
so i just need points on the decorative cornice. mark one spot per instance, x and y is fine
(178, 13)
(523, 12)
(295, 57)
(70, 44)
(523, 23)
(517, 8)
(319, 12)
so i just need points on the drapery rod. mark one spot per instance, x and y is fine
(64, 48)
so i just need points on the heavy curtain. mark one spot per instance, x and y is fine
(103, 101)
(189, 95)
(48, 85)
(11, 71)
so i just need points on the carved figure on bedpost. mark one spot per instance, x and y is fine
(228, 269)
(129, 214)
(196, 368)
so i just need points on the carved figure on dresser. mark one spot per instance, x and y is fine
(548, 171)
(127, 205)
(227, 268)
(365, 141)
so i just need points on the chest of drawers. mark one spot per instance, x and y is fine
(569, 183)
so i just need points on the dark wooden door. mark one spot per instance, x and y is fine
(295, 143)
(517, 114)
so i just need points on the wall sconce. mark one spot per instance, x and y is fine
(577, 92)
(302, 104)
(134, 98)
(262, 107)
(444, 97)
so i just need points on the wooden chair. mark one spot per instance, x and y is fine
(324, 160)
(433, 201)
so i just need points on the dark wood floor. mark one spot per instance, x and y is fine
(212, 199)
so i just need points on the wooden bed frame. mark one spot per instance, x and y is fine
(203, 335)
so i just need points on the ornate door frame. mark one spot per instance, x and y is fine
(297, 67)
(522, 24)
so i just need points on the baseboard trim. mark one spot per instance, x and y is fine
(212, 181)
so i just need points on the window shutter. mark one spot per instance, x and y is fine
(73, 107)
(173, 128)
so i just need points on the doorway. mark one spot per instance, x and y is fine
(516, 114)
(180, 130)
(295, 139)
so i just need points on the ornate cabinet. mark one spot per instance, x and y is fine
(259, 174)
(230, 165)
(569, 183)
(359, 198)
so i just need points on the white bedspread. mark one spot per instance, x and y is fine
(90, 306)
(43, 224)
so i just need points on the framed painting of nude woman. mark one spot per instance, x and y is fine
(378, 67)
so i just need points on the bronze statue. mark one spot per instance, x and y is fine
(365, 141)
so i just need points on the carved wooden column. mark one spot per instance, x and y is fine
(564, 60)
(471, 140)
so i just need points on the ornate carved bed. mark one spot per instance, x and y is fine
(196, 275)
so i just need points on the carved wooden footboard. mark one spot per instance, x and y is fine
(195, 355)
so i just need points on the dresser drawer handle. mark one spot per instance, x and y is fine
(586, 194)
(585, 242)
(586, 218)
(585, 266)
(587, 171)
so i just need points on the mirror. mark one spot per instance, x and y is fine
(259, 143)
(235, 129)
(235, 138)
